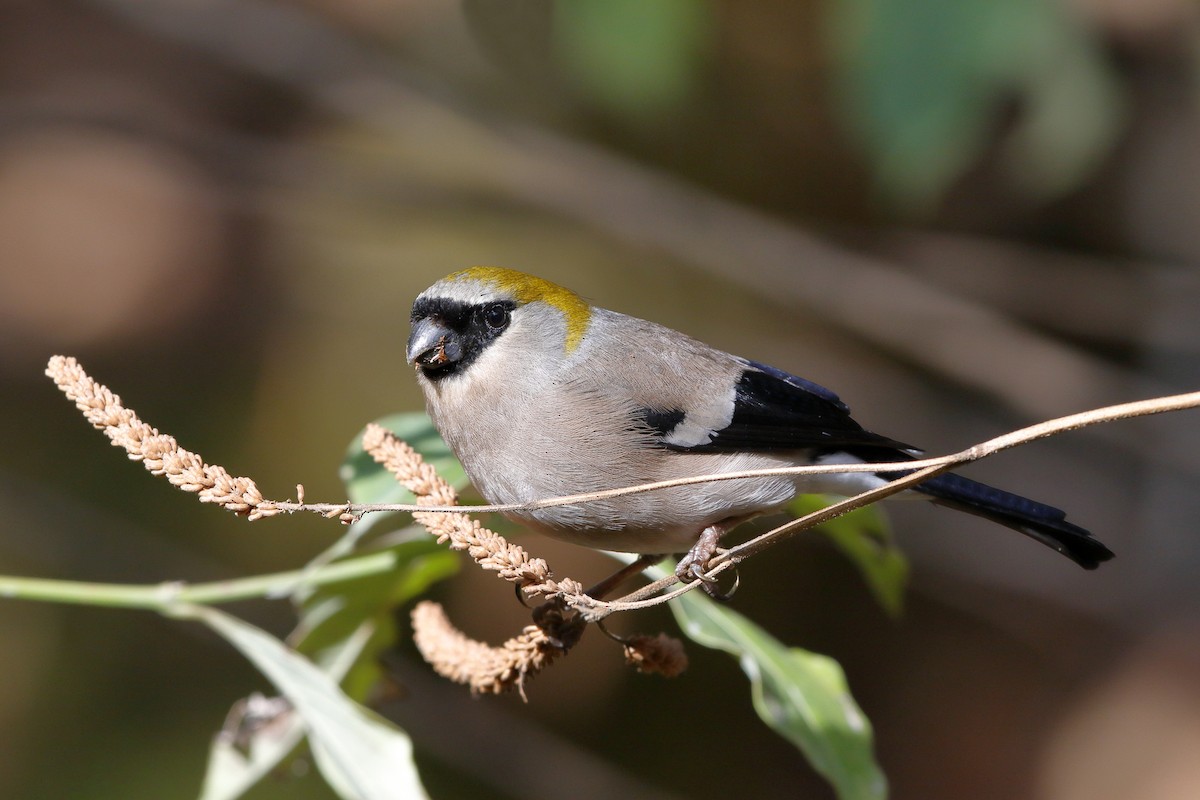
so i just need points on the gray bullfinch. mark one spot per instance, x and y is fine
(540, 394)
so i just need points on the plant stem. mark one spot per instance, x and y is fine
(162, 596)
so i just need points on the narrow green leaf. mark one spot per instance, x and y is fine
(334, 612)
(331, 612)
(361, 755)
(865, 537)
(802, 695)
(345, 625)
(231, 773)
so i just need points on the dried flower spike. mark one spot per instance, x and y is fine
(491, 550)
(158, 452)
(486, 669)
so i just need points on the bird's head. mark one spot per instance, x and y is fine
(493, 311)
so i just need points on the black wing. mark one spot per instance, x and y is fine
(775, 411)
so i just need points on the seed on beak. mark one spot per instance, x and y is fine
(438, 356)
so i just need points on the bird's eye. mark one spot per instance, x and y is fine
(496, 316)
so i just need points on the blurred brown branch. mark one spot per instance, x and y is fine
(901, 312)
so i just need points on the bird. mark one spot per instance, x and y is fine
(540, 394)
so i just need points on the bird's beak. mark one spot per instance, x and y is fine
(432, 345)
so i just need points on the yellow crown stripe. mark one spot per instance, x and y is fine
(527, 288)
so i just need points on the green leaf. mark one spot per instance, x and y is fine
(865, 537)
(802, 695)
(344, 626)
(232, 772)
(361, 755)
(334, 612)
(1074, 113)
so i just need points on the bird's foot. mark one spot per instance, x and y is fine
(694, 565)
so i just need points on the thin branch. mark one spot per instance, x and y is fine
(162, 455)
(1041, 430)
(656, 593)
(633, 202)
(1026, 435)
(559, 622)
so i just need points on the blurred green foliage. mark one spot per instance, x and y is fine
(632, 57)
(926, 86)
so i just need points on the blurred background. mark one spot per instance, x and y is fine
(964, 216)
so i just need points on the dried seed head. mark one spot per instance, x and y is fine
(159, 453)
(489, 549)
(661, 655)
(486, 669)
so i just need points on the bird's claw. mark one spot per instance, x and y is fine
(694, 565)
(695, 571)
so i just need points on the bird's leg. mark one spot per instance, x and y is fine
(694, 565)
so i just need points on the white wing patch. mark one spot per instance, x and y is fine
(699, 426)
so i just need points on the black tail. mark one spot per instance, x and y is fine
(1044, 523)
